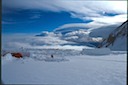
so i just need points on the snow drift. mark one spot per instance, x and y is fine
(96, 51)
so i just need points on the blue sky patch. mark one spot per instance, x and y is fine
(31, 22)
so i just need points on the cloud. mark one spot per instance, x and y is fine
(84, 26)
(110, 19)
(27, 4)
(85, 10)
(71, 25)
(89, 8)
(97, 22)
(46, 34)
(83, 7)
(77, 36)
(26, 41)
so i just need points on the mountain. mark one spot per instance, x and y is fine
(117, 39)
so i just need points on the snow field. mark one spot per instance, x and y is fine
(79, 70)
(97, 51)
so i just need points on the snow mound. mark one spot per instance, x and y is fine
(8, 57)
(97, 51)
(55, 59)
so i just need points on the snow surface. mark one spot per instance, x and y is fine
(119, 44)
(66, 69)
(7, 58)
(97, 51)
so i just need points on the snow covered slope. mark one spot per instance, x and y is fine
(117, 39)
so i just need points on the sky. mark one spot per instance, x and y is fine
(34, 16)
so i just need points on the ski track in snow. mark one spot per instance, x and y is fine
(77, 70)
